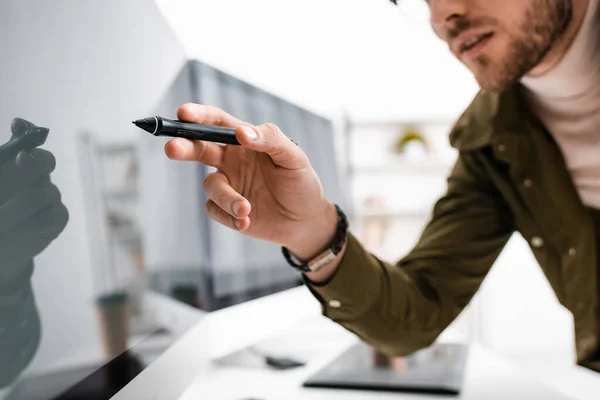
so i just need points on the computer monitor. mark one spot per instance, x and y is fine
(70, 320)
(96, 285)
(153, 262)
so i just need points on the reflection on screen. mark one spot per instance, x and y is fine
(77, 317)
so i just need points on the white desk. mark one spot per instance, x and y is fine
(316, 340)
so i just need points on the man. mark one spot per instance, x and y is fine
(528, 162)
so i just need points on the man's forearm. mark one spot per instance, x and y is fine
(369, 297)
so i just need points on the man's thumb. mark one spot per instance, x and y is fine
(268, 138)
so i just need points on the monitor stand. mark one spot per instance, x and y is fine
(438, 369)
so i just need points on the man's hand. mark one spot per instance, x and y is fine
(265, 188)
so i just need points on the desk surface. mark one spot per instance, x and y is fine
(317, 341)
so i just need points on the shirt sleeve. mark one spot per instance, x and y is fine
(403, 307)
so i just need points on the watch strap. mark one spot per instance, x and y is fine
(326, 256)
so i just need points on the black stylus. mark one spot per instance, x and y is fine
(159, 126)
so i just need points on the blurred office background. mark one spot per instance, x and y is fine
(377, 83)
(386, 81)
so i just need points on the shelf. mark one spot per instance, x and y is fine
(125, 233)
(405, 167)
(121, 193)
(114, 149)
(392, 214)
(402, 122)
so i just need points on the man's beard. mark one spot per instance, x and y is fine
(543, 24)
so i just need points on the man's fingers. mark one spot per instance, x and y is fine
(268, 138)
(195, 150)
(223, 217)
(207, 115)
(217, 189)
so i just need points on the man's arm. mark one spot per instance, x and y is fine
(404, 307)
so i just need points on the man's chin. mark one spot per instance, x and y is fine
(493, 85)
(489, 76)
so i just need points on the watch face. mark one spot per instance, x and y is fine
(321, 260)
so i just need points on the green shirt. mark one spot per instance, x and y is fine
(509, 177)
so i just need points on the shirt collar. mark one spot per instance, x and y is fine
(490, 114)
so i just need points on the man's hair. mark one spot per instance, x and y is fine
(394, 1)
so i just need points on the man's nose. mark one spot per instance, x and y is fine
(444, 12)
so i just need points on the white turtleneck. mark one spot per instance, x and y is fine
(567, 100)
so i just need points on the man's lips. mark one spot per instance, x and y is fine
(469, 42)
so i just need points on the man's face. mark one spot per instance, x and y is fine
(500, 40)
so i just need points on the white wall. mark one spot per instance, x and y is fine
(72, 65)
(520, 315)
(361, 55)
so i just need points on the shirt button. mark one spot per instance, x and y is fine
(586, 343)
(335, 304)
(537, 242)
(528, 183)
(572, 251)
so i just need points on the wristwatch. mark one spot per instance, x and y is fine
(328, 255)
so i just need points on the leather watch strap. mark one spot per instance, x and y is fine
(326, 256)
